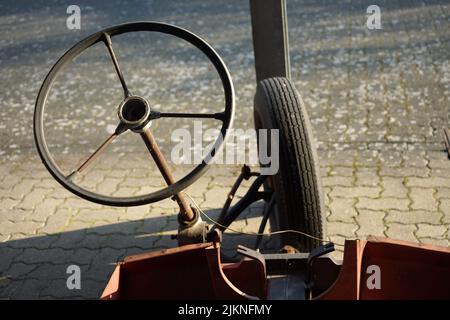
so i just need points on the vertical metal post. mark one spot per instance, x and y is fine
(270, 38)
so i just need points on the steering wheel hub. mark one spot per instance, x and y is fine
(134, 112)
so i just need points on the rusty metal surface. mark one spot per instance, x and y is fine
(158, 275)
(346, 286)
(407, 271)
(166, 172)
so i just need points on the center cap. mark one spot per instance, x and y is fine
(134, 112)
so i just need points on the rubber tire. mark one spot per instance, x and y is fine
(297, 186)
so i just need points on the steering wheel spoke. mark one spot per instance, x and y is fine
(118, 131)
(218, 115)
(108, 43)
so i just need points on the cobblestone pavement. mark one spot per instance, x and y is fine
(377, 99)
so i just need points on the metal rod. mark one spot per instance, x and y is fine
(163, 166)
(251, 196)
(218, 116)
(270, 38)
(447, 141)
(266, 214)
(230, 197)
(108, 43)
(246, 173)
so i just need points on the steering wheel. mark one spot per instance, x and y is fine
(135, 114)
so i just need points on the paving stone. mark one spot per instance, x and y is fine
(367, 158)
(78, 203)
(23, 188)
(49, 271)
(355, 192)
(342, 157)
(57, 289)
(12, 215)
(42, 211)
(77, 226)
(342, 229)
(445, 208)
(198, 190)
(438, 160)
(442, 173)
(55, 256)
(134, 213)
(60, 193)
(167, 205)
(120, 241)
(415, 159)
(69, 240)
(18, 271)
(9, 203)
(8, 255)
(428, 182)
(30, 289)
(48, 183)
(4, 238)
(443, 193)
(341, 171)
(25, 227)
(390, 158)
(35, 256)
(104, 214)
(32, 198)
(215, 197)
(106, 228)
(56, 223)
(370, 223)
(31, 241)
(436, 242)
(401, 232)
(8, 182)
(405, 172)
(413, 217)
(423, 199)
(430, 231)
(92, 179)
(139, 182)
(367, 177)
(383, 204)
(92, 242)
(109, 256)
(154, 225)
(342, 209)
(124, 191)
(393, 187)
(337, 181)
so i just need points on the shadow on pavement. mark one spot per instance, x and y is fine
(35, 267)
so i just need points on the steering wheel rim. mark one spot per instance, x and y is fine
(226, 117)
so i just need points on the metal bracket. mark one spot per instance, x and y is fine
(194, 231)
(270, 38)
(316, 253)
(252, 254)
(288, 272)
(447, 141)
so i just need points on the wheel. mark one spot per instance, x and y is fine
(297, 187)
(135, 114)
